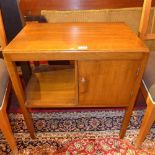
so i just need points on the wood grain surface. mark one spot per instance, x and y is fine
(73, 41)
(107, 83)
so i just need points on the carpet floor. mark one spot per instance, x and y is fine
(79, 132)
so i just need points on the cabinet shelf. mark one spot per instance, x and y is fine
(51, 89)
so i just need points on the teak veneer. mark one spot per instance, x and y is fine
(109, 61)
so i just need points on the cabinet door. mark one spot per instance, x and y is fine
(107, 83)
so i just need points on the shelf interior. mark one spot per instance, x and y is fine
(51, 89)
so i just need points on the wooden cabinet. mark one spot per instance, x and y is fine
(109, 64)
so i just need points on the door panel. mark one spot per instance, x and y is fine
(107, 83)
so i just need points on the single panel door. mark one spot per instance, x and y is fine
(107, 82)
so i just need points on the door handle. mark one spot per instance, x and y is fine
(83, 85)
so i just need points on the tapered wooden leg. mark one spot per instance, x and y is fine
(147, 123)
(6, 130)
(16, 82)
(126, 121)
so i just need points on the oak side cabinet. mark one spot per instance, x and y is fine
(109, 61)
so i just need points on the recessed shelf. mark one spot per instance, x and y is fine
(51, 89)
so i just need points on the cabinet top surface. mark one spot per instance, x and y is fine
(76, 37)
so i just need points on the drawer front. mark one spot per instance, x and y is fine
(107, 83)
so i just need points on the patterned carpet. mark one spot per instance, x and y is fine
(71, 132)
